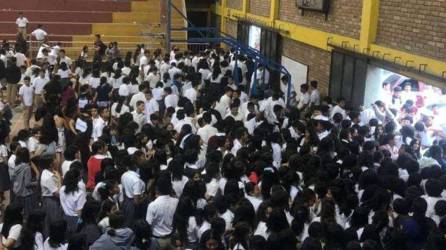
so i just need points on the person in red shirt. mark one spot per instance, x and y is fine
(99, 150)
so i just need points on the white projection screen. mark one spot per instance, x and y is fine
(298, 72)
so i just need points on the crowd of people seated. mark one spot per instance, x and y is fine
(197, 150)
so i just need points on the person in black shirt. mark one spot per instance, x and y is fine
(100, 48)
(13, 76)
(52, 93)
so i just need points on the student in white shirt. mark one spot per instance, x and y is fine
(56, 239)
(191, 93)
(39, 34)
(339, 108)
(119, 108)
(315, 96)
(22, 24)
(50, 181)
(26, 93)
(304, 99)
(207, 131)
(11, 227)
(64, 58)
(134, 189)
(160, 212)
(33, 237)
(72, 198)
(140, 96)
(139, 116)
(123, 90)
(151, 104)
(100, 118)
(170, 99)
(71, 154)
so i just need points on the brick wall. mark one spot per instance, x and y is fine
(235, 4)
(231, 27)
(318, 61)
(415, 26)
(344, 17)
(259, 7)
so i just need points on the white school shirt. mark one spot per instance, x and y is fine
(46, 246)
(203, 228)
(73, 202)
(49, 183)
(116, 82)
(32, 144)
(174, 71)
(124, 109)
(151, 106)
(20, 59)
(39, 34)
(158, 93)
(160, 215)
(236, 146)
(315, 97)
(66, 60)
(11, 164)
(27, 93)
(38, 84)
(140, 96)
(171, 101)
(206, 132)
(228, 217)
(98, 126)
(191, 94)
(254, 201)
(153, 79)
(22, 22)
(94, 82)
(132, 184)
(66, 166)
(192, 230)
(304, 100)
(117, 197)
(123, 90)
(64, 73)
(139, 118)
(178, 186)
(14, 233)
(38, 241)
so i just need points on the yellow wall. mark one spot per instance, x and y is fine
(321, 39)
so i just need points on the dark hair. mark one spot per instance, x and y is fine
(116, 221)
(34, 224)
(22, 156)
(143, 234)
(70, 152)
(57, 233)
(164, 186)
(12, 216)
(71, 180)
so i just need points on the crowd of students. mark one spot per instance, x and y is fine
(189, 150)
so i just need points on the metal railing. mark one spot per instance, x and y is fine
(213, 36)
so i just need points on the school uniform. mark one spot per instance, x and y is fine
(72, 203)
(160, 214)
(23, 192)
(49, 185)
(132, 185)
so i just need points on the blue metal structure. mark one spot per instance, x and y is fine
(214, 36)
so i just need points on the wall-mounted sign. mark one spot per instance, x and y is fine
(317, 5)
